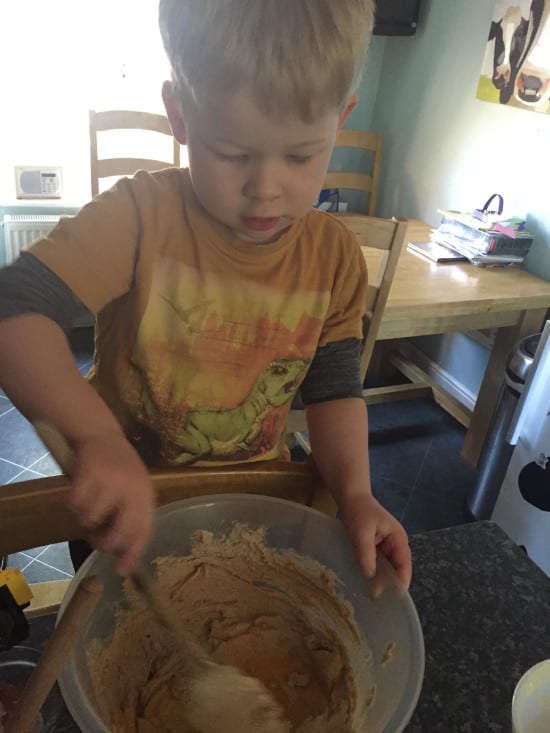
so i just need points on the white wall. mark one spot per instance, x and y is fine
(60, 58)
(45, 103)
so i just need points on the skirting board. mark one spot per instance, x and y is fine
(445, 380)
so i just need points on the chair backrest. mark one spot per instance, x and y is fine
(126, 120)
(24, 505)
(387, 236)
(381, 241)
(366, 182)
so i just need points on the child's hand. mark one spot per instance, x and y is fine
(371, 527)
(113, 497)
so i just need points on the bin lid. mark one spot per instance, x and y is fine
(520, 360)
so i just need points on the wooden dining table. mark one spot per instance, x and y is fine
(428, 298)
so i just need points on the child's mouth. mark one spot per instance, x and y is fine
(260, 224)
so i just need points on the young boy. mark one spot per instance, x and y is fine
(218, 291)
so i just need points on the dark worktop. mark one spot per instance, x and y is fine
(485, 613)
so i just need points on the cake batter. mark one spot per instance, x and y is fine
(274, 615)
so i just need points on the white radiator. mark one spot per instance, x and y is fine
(20, 230)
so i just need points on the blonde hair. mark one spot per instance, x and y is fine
(297, 56)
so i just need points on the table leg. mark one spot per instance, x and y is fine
(528, 322)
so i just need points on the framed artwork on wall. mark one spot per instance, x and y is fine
(516, 66)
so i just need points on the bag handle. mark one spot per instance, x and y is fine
(482, 213)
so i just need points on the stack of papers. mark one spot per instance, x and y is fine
(483, 242)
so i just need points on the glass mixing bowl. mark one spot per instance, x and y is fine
(391, 619)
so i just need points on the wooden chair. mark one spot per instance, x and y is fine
(126, 120)
(382, 241)
(24, 505)
(369, 143)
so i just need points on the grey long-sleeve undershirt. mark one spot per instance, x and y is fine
(28, 286)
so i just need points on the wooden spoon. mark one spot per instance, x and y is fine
(44, 675)
(216, 693)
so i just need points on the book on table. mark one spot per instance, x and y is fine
(435, 252)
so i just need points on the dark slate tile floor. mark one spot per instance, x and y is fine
(24, 457)
(417, 471)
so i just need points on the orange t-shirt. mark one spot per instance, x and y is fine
(202, 339)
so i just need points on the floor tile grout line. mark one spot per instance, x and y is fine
(25, 470)
(25, 554)
(52, 567)
(46, 454)
(415, 482)
(11, 463)
(35, 561)
(375, 475)
(381, 475)
(31, 560)
(47, 547)
(12, 479)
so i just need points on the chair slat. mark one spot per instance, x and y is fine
(120, 166)
(371, 231)
(358, 139)
(107, 120)
(127, 120)
(366, 181)
(354, 181)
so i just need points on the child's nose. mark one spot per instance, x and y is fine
(263, 182)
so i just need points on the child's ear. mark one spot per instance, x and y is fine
(174, 113)
(350, 106)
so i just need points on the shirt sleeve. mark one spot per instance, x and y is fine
(348, 300)
(95, 252)
(28, 286)
(334, 373)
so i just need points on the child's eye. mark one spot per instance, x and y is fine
(298, 159)
(238, 158)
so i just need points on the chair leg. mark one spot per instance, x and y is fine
(303, 442)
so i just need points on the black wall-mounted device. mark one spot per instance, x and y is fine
(396, 17)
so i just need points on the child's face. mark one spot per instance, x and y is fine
(255, 174)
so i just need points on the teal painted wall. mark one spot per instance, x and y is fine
(445, 148)
(362, 119)
(362, 116)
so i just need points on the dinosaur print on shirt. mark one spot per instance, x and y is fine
(223, 360)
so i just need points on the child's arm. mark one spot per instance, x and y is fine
(338, 431)
(111, 485)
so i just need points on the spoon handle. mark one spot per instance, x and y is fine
(148, 588)
(141, 577)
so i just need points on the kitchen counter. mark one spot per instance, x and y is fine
(485, 612)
